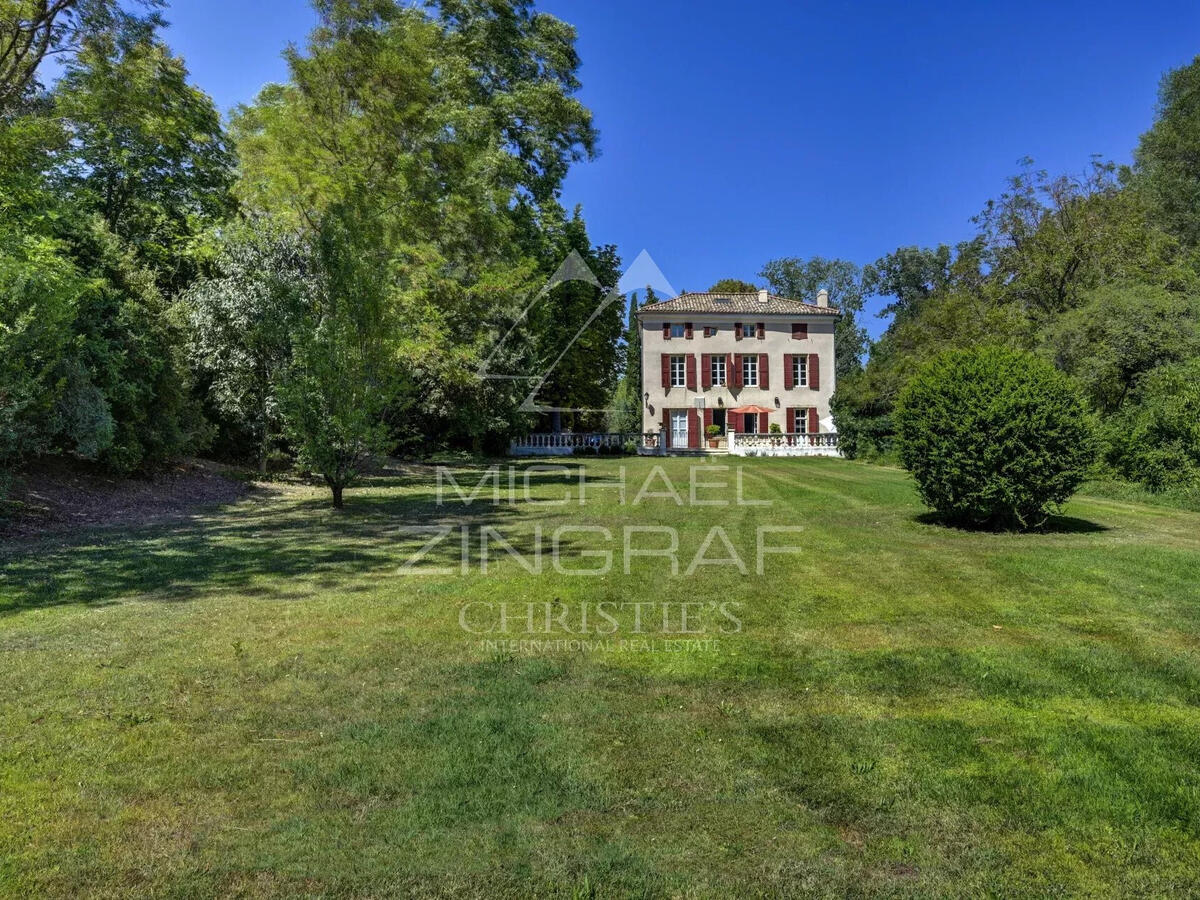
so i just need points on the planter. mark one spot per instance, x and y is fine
(713, 443)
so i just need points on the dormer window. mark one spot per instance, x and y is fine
(748, 330)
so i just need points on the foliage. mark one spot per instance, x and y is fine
(1118, 333)
(243, 321)
(733, 286)
(1156, 440)
(147, 152)
(993, 437)
(1165, 159)
(343, 374)
(36, 30)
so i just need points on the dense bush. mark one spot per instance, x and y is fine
(1156, 441)
(994, 437)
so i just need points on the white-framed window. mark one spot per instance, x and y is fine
(677, 329)
(717, 370)
(800, 371)
(801, 424)
(749, 330)
(750, 370)
(678, 371)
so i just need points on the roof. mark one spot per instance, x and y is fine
(709, 302)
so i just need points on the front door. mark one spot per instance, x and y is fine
(751, 423)
(679, 428)
(719, 419)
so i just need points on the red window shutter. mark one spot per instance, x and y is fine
(666, 331)
(762, 423)
(691, 371)
(687, 330)
(787, 376)
(735, 371)
(791, 420)
(693, 429)
(707, 418)
(737, 331)
(813, 425)
(666, 371)
(705, 370)
(762, 330)
(764, 372)
(814, 371)
(799, 331)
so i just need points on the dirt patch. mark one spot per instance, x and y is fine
(55, 496)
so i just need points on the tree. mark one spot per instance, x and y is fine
(33, 30)
(1166, 157)
(244, 319)
(146, 152)
(626, 413)
(1156, 438)
(343, 374)
(801, 279)
(1120, 332)
(732, 286)
(993, 437)
(458, 122)
(909, 275)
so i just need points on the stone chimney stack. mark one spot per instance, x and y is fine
(762, 296)
(822, 298)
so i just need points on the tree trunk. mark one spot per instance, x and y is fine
(337, 495)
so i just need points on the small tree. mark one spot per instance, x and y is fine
(343, 374)
(993, 437)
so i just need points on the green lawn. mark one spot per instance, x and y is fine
(258, 702)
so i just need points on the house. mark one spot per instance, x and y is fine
(742, 362)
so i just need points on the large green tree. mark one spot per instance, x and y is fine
(1167, 158)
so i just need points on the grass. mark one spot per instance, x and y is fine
(256, 703)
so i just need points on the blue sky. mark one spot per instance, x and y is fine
(734, 133)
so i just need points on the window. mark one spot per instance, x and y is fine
(678, 372)
(750, 370)
(750, 423)
(677, 330)
(717, 370)
(801, 417)
(749, 330)
(800, 371)
(710, 331)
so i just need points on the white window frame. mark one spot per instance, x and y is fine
(677, 330)
(800, 421)
(716, 370)
(800, 370)
(750, 370)
(679, 370)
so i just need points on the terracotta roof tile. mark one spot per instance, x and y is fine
(709, 302)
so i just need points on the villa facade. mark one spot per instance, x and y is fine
(740, 361)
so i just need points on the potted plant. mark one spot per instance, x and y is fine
(712, 431)
(776, 433)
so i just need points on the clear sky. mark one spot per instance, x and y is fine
(734, 133)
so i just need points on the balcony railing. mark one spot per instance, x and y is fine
(786, 444)
(566, 443)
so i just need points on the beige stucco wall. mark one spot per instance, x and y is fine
(776, 343)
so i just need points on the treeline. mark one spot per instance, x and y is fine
(324, 280)
(1098, 274)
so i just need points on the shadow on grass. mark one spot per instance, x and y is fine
(275, 551)
(1053, 525)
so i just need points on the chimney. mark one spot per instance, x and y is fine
(762, 296)
(823, 298)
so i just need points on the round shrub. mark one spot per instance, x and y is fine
(994, 437)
